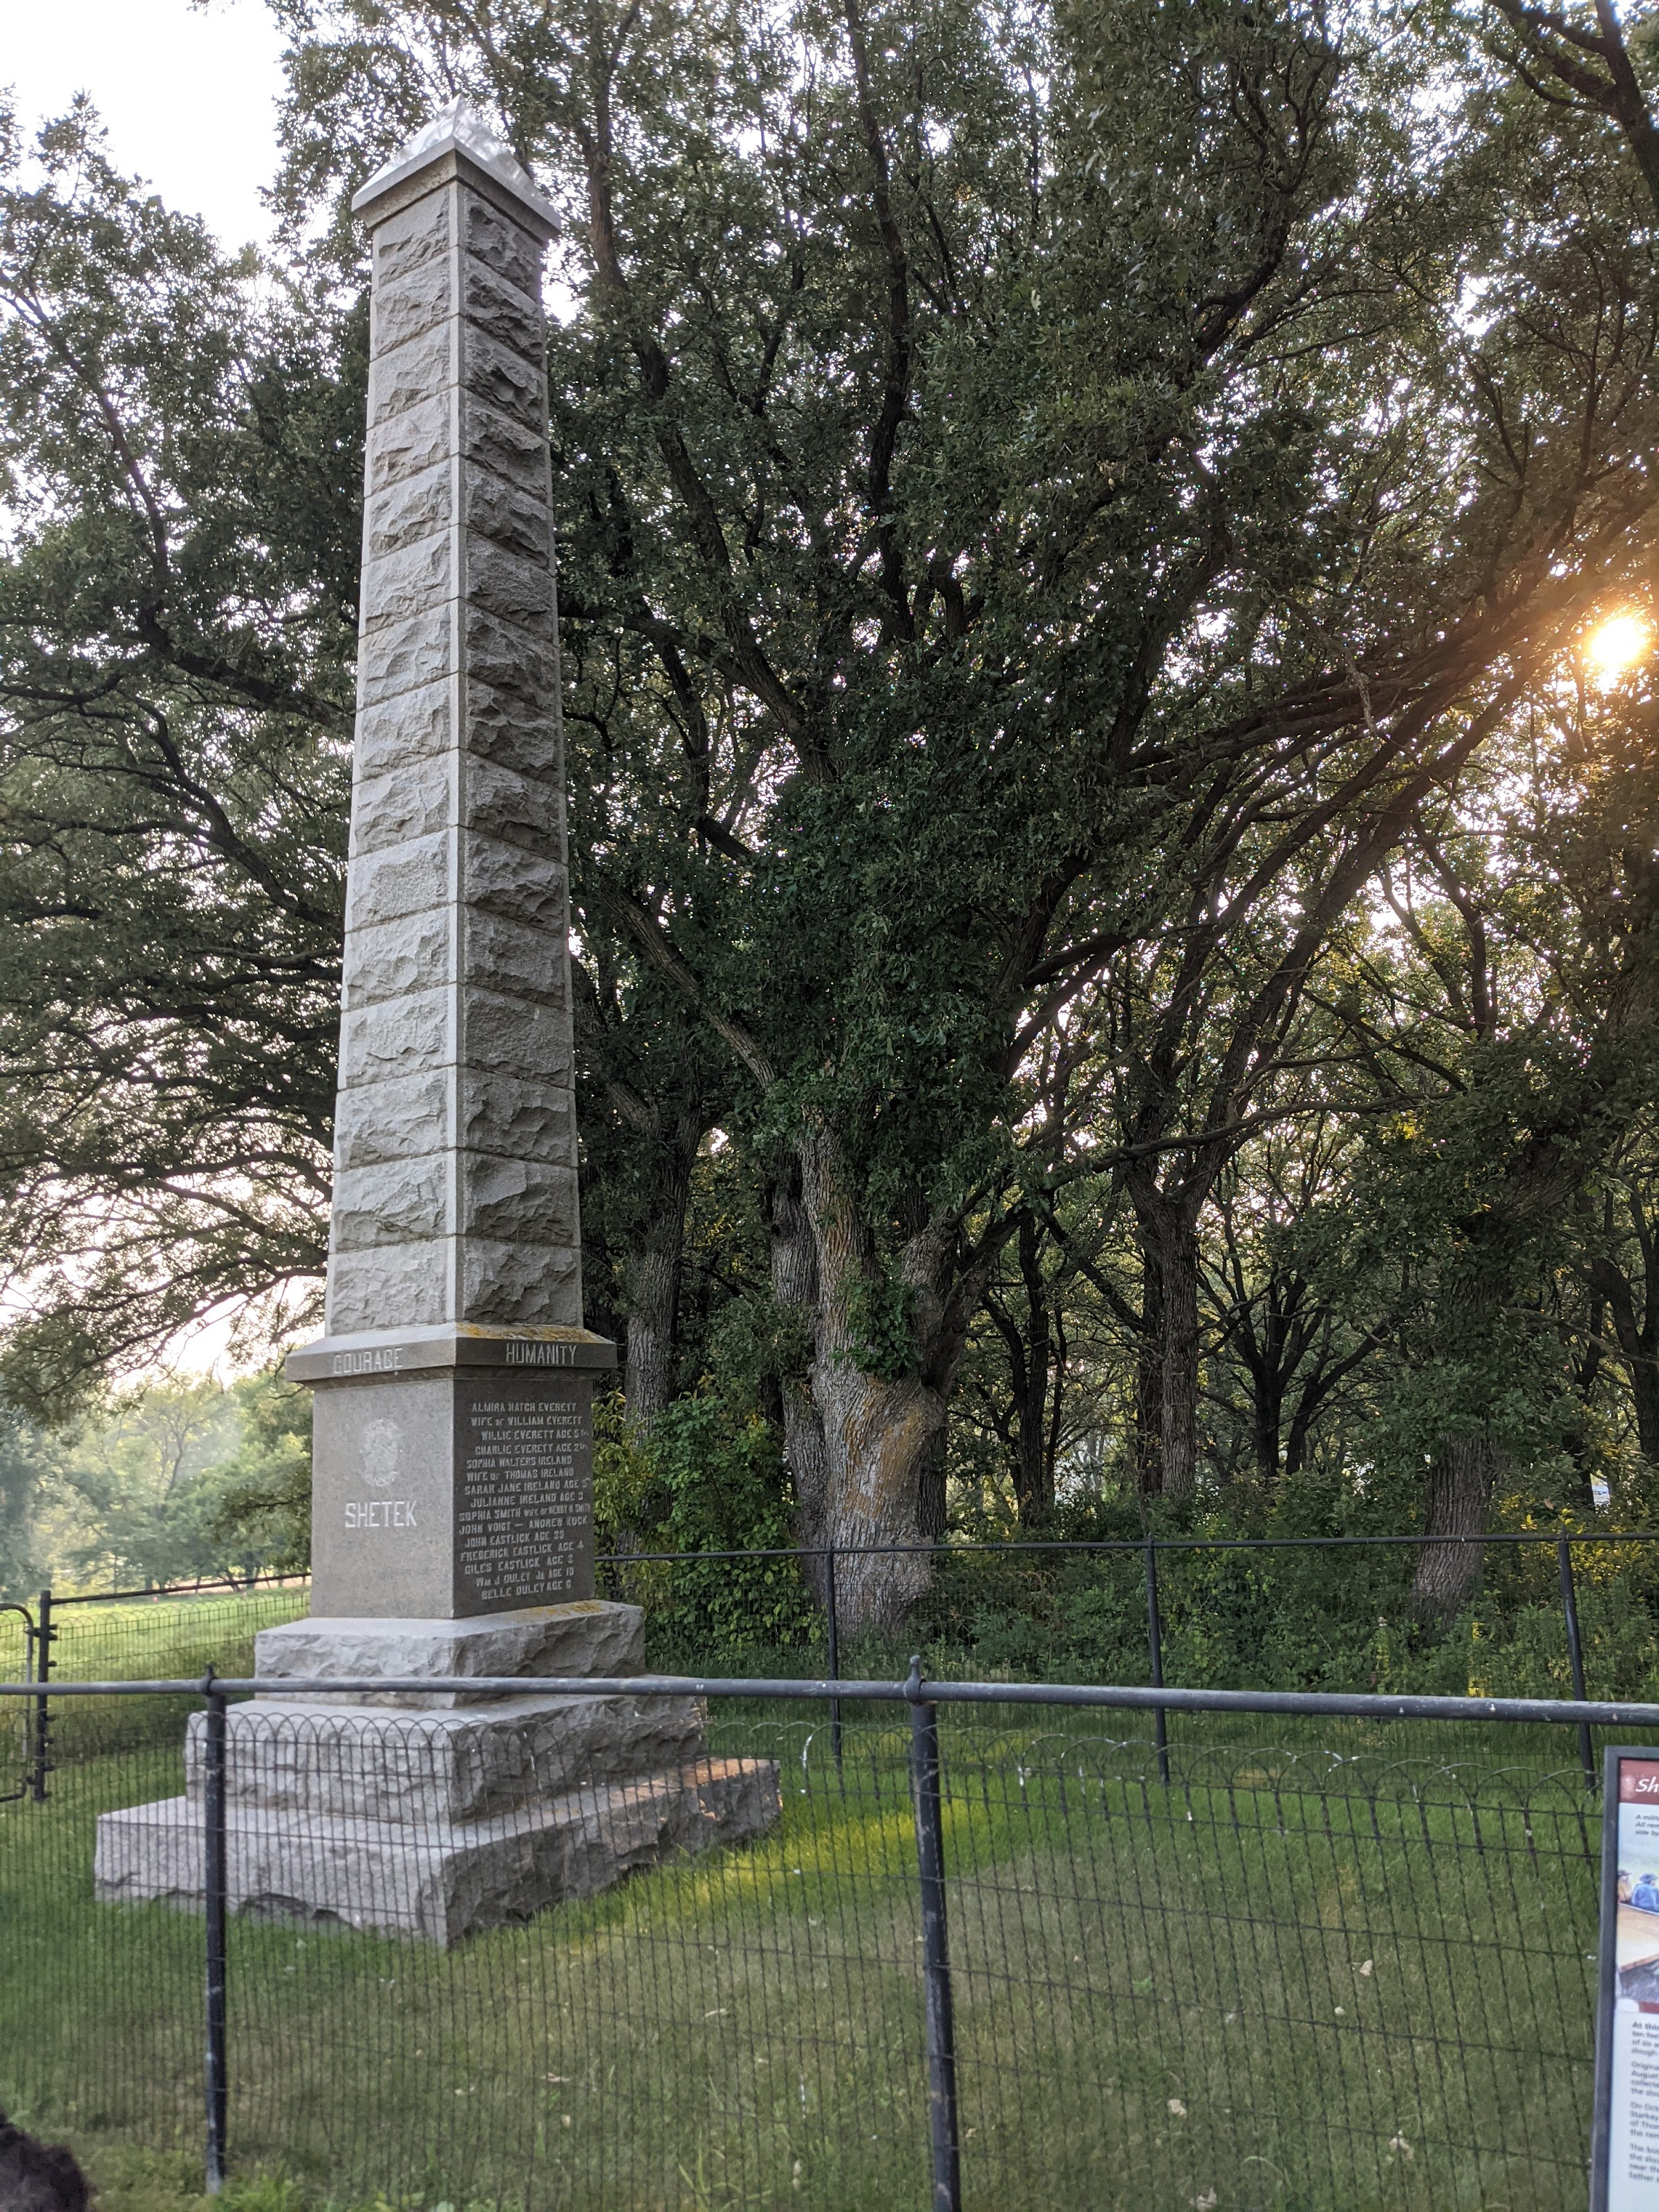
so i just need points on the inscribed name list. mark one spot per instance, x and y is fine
(524, 1503)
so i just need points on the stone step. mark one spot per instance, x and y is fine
(410, 1767)
(443, 1881)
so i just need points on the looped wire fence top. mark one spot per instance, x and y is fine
(1319, 1969)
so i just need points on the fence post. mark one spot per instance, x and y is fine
(1574, 1653)
(1155, 1646)
(44, 1635)
(214, 1898)
(925, 1797)
(832, 1657)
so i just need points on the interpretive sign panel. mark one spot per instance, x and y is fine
(1624, 2164)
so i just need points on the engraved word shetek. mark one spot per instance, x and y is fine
(524, 1505)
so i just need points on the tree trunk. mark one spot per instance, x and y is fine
(1033, 1469)
(1462, 1476)
(795, 1298)
(1181, 1362)
(1267, 1392)
(1168, 1365)
(654, 1282)
(884, 1434)
(1637, 1350)
(1149, 1374)
(1643, 1369)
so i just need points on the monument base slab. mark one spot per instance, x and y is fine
(437, 1881)
(432, 1813)
(464, 1763)
(588, 1636)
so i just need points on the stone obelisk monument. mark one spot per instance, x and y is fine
(453, 1450)
(452, 1528)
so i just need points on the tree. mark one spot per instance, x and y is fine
(991, 572)
(181, 439)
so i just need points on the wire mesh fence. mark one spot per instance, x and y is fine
(1303, 1976)
(17, 1664)
(150, 1636)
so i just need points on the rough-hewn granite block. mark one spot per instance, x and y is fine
(409, 508)
(397, 958)
(393, 732)
(398, 880)
(441, 1883)
(507, 379)
(518, 590)
(514, 515)
(513, 881)
(504, 956)
(395, 1202)
(411, 800)
(502, 309)
(396, 1037)
(514, 1116)
(413, 1281)
(411, 580)
(515, 1036)
(591, 1636)
(514, 451)
(523, 809)
(521, 731)
(411, 442)
(391, 1120)
(533, 1285)
(413, 372)
(404, 656)
(411, 301)
(404, 241)
(516, 1201)
(489, 236)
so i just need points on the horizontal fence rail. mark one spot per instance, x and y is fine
(1132, 1697)
(118, 1633)
(694, 1600)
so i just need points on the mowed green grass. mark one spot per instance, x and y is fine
(1282, 1983)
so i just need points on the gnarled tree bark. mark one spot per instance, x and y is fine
(1461, 1477)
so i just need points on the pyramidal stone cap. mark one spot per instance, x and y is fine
(460, 131)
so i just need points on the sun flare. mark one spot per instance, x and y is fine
(1616, 645)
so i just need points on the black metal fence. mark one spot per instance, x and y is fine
(1235, 1614)
(995, 1949)
(1232, 1611)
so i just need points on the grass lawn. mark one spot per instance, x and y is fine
(1325, 1980)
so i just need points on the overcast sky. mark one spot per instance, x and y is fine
(188, 94)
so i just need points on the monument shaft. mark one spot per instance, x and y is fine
(451, 1477)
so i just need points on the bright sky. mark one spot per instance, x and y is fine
(187, 93)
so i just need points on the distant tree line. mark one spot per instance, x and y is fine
(1115, 901)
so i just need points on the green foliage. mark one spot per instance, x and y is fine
(881, 1313)
(27, 1457)
(180, 438)
(175, 1481)
(708, 1477)
(263, 1515)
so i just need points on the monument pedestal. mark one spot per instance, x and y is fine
(414, 1814)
